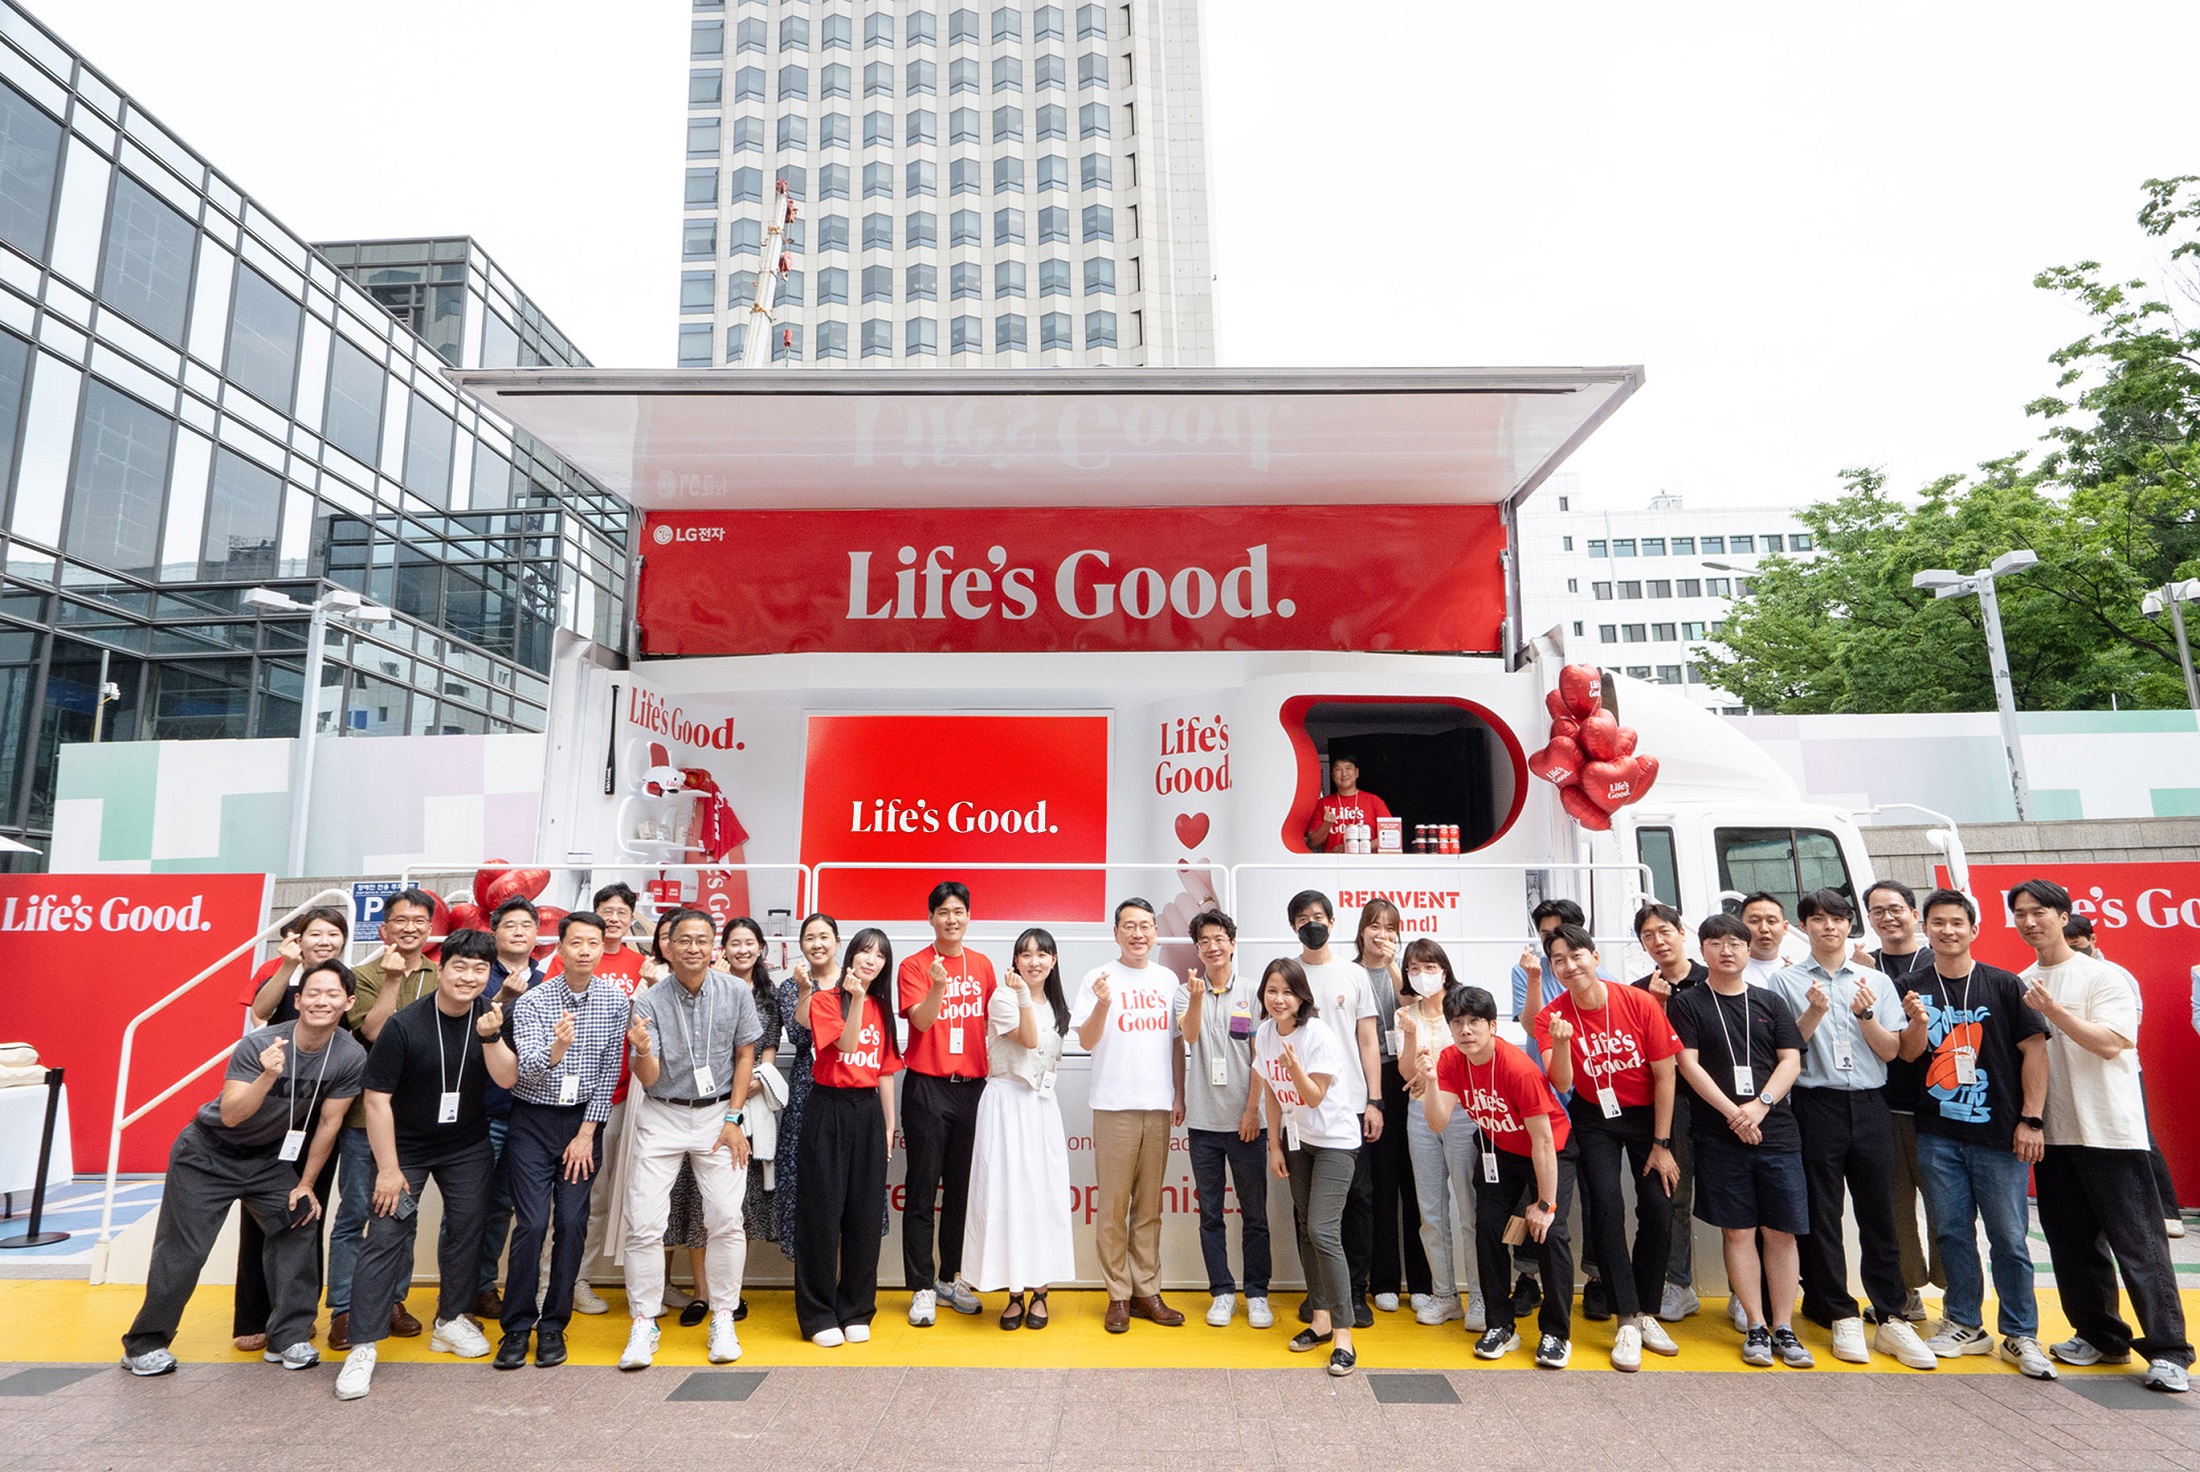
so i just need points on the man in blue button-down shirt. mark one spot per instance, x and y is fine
(568, 1033)
(1851, 1021)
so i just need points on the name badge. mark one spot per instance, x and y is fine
(1608, 1101)
(569, 1089)
(1489, 1163)
(1397, 1036)
(447, 1111)
(706, 1081)
(1843, 1059)
(1966, 1065)
(1745, 1084)
(1046, 1084)
(1218, 1072)
(294, 1144)
(955, 1037)
(1291, 1134)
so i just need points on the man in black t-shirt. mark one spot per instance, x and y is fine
(427, 1116)
(1661, 933)
(1892, 909)
(1979, 1132)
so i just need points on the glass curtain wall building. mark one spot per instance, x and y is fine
(981, 185)
(194, 401)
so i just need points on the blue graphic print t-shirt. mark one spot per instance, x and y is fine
(1985, 1011)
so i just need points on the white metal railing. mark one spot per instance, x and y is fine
(805, 887)
(123, 1117)
(1103, 867)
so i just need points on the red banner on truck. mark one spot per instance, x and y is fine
(1423, 578)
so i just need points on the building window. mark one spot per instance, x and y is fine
(962, 25)
(1008, 74)
(1623, 546)
(834, 130)
(1741, 587)
(1669, 674)
(1100, 329)
(1638, 672)
(428, 438)
(1577, 628)
(921, 229)
(1602, 592)
(789, 293)
(1741, 544)
(698, 240)
(794, 132)
(878, 180)
(750, 35)
(703, 138)
(1661, 588)
(695, 345)
(30, 165)
(878, 130)
(832, 340)
(923, 127)
(923, 28)
(702, 187)
(837, 31)
(706, 88)
(962, 75)
(1692, 631)
(707, 39)
(1717, 587)
(832, 181)
(962, 127)
(1007, 25)
(242, 509)
(1099, 276)
(878, 283)
(878, 79)
(963, 229)
(921, 338)
(1096, 171)
(921, 178)
(967, 332)
(1630, 590)
(748, 84)
(1694, 673)
(1008, 227)
(1689, 587)
(1054, 332)
(1092, 20)
(1053, 277)
(1635, 633)
(263, 339)
(1092, 70)
(1664, 633)
(121, 471)
(740, 289)
(794, 33)
(878, 30)
(832, 232)
(962, 176)
(1684, 546)
(921, 283)
(1099, 222)
(1653, 546)
(1608, 633)
(1597, 547)
(1772, 542)
(1053, 223)
(878, 339)
(965, 283)
(1714, 546)
(1049, 74)
(698, 292)
(1008, 175)
(146, 271)
(1008, 334)
(921, 78)
(1008, 278)
(832, 286)
(1566, 544)
(787, 342)
(1563, 503)
(1092, 120)
(1800, 542)
(878, 232)
(1053, 172)
(352, 419)
(1046, 23)
(1573, 585)
(1008, 123)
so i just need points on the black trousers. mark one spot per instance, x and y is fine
(253, 1303)
(2094, 1203)
(1394, 1205)
(1848, 1146)
(841, 1162)
(204, 1181)
(465, 1175)
(2163, 1185)
(1494, 1204)
(544, 1203)
(939, 1121)
(1610, 1149)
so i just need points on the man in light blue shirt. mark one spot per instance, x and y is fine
(1851, 1020)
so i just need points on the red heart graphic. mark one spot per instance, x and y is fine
(1191, 829)
(1600, 736)
(1560, 762)
(1627, 741)
(1581, 686)
(466, 915)
(482, 880)
(1581, 810)
(1555, 703)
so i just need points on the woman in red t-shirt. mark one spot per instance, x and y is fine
(847, 1138)
(1526, 1168)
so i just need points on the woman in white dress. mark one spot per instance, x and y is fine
(1018, 1235)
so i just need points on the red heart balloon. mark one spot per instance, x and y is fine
(1646, 773)
(516, 884)
(438, 924)
(466, 915)
(1559, 763)
(1191, 828)
(1627, 741)
(1581, 810)
(1613, 785)
(1600, 736)
(532, 882)
(483, 878)
(1568, 729)
(1555, 703)
(548, 917)
(1581, 686)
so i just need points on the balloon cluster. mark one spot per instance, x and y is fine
(492, 887)
(1591, 757)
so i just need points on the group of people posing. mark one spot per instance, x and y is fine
(616, 1103)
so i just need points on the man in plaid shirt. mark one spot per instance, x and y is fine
(567, 1033)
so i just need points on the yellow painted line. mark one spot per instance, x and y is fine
(50, 1321)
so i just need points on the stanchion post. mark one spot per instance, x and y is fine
(34, 1237)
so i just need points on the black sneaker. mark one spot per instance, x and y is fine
(1596, 1301)
(549, 1348)
(1341, 1362)
(1527, 1296)
(1552, 1352)
(1363, 1314)
(740, 1310)
(1307, 1339)
(696, 1311)
(511, 1351)
(1495, 1344)
(1757, 1346)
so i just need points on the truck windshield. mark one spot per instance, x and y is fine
(1787, 862)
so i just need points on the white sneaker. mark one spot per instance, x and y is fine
(299, 1356)
(2077, 1351)
(460, 1336)
(674, 1299)
(1736, 1315)
(924, 1308)
(2173, 1226)
(725, 1345)
(1420, 1301)
(2023, 1351)
(2167, 1376)
(586, 1299)
(1655, 1339)
(357, 1376)
(1258, 1314)
(1952, 1339)
(1438, 1308)
(959, 1297)
(828, 1339)
(641, 1345)
(1220, 1311)
(1848, 1342)
(1387, 1302)
(857, 1333)
(1678, 1302)
(1896, 1337)
(1477, 1314)
(1627, 1349)
(152, 1362)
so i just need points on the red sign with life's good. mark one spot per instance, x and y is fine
(2146, 918)
(1043, 579)
(88, 952)
(951, 794)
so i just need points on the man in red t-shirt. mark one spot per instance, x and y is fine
(1345, 805)
(621, 965)
(1612, 1049)
(943, 991)
(1526, 1168)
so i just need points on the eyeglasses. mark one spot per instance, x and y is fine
(1141, 927)
(1887, 912)
(692, 942)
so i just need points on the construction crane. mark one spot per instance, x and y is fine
(762, 321)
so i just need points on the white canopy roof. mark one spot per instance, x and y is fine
(727, 439)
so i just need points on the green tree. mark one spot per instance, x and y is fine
(2112, 507)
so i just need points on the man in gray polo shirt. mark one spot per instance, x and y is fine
(1216, 1010)
(692, 1047)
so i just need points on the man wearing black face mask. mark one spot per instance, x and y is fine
(1347, 1004)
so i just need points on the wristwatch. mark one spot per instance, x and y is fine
(1662, 1142)
(1545, 1206)
(2032, 1121)
(733, 1116)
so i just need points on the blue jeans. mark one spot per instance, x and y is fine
(355, 1172)
(1443, 1175)
(1965, 1184)
(1247, 1161)
(500, 1208)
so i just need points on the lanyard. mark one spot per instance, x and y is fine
(1943, 983)
(1608, 1030)
(441, 1063)
(687, 1037)
(1718, 1008)
(290, 1110)
(1487, 1126)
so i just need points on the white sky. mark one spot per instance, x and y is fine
(1816, 226)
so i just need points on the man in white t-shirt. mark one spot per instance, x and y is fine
(1123, 1020)
(1769, 951)
(2094, 1181)
(1347, 1004)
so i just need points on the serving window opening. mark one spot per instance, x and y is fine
(1430, 760)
